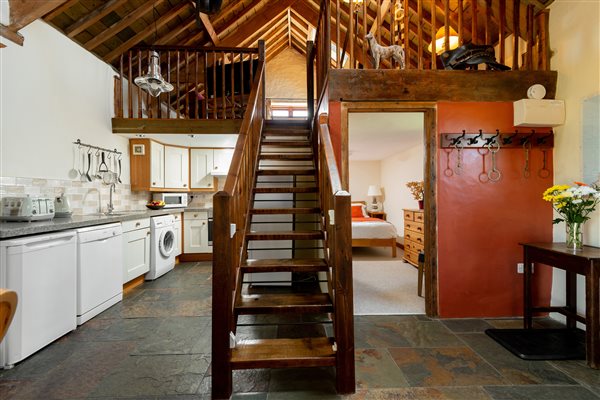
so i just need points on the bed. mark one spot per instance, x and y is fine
(371, 232)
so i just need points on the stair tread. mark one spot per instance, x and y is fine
(279, 303)
(288, 143)
(284, 235)
(309, 189)
(288, 171)
(285, 265)
(286, 156)
(274, 353)
(297, 210)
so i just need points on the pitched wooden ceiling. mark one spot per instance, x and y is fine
(108, 28)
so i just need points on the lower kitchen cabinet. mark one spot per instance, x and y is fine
(195, 236)
(136, 248)
(177, 228)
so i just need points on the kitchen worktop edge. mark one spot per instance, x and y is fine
(9, 230)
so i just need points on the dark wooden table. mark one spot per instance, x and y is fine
(584, 262)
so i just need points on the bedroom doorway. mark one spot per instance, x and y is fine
(384, 146)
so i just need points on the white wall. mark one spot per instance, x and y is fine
(575, 41)
(286, 76)
(53, 92)
(362, 175)
(396, 171)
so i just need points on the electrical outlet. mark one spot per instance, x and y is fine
(520, 268)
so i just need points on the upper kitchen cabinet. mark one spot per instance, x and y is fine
(177, 167)
(221, 161)
(157, 167)
(202, 161)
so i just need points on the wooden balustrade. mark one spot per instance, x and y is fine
(335, 204)
(209, 83)
(231, 211)
(483, 22)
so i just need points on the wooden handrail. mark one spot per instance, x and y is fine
(230, 214)
(335, 203)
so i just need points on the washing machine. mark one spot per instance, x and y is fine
(163, 246)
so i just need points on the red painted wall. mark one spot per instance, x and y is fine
(481, 224)
(335, 130)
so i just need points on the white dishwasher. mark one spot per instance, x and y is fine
(42, 269)
(99, 269)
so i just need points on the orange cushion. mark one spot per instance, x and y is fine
(357, 211)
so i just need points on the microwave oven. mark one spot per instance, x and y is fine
(172, 200)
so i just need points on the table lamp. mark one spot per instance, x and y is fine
(374, 191)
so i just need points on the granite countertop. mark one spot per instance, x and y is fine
(16, 229)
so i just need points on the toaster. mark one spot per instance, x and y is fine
(27, 208)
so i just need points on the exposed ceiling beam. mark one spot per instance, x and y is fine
(223, 29)
(185, 25)
(289, 24)
(11, 35)
(208, 27)
(248, 27)
(385, 6)
(147, 31)
(265, 31)
(24, 12)
(119, 25)
(60, 9)
(83, 23)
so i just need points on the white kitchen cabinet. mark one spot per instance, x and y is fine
(177, 228)
(201, 166)
(157, 165)
(221, 161)
(136, 248)
(195, 225)
(177, 163)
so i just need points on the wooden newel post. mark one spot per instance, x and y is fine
(222, 299)
(262, 57)
(344, 309)
(310, 80)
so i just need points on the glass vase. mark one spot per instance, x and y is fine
(574, 235)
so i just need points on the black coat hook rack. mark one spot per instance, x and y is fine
(507, 139)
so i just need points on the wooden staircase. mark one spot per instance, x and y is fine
(284, 195)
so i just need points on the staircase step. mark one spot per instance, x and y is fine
(283, 353)
(295, 171)
(286, 143)
(286, 156)
(283, 303)
(284, 235)
(282, 131)
(273, 123)
(297, 210)
(310, 189)
(285, 265)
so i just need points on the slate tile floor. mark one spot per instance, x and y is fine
(156, 345)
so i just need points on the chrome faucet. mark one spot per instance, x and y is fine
(109, 207)
(99, 198)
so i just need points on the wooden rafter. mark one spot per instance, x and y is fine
(93, 17)
(212, 34)
(24, 12)
(172, 13)
(185, 25)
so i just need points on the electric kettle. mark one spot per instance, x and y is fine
(62, 208)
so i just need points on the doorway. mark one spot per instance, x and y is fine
(428, 112)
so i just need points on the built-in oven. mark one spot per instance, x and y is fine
(210, 226)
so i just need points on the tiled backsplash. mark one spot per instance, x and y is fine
(83, 196)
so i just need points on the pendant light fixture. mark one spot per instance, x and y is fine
(440, 40)
(152, 81)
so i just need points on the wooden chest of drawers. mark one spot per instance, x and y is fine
(414, 235)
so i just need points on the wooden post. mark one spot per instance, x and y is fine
(343, 314)
(529, 56)
(139, 92)
(502, 29)
(364, 41)
(433, 33)
(488, 16)
(543, 18)
(474, 38)
(337, 27)
(261, 57)
(516, 34)
(310, 80)
(420, 33)
(222, 298)
(350, 33)
(406, 32)
(223, 86)
(378, 21)
(214, 68)
(461, 37)
(446, 25)
(205, 102)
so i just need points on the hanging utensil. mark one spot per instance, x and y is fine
(87, 173)
(73, 174)
(119, 177)
(494, 173)
(103, 167)
(526, 148)
(448, 171)
(459, 158)
(483, 176)
(544, 172)
(82, 176)
(98, 175)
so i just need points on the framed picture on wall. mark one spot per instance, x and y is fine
(139, 149)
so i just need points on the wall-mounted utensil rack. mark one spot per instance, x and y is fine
(506, 139)
(81, 144)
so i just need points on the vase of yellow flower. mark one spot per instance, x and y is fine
(417, 189)
(574, 204)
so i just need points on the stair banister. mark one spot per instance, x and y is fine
(230, 212)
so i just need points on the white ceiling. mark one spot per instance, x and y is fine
(197, 140)
(375, 136)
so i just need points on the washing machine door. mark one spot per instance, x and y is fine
(166, 243)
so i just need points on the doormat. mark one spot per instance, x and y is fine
(542, 344)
